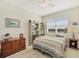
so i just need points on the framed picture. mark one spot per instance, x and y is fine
(74, 23)
(12, 23)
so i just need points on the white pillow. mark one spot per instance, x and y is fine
(60, 35)
(51, 34)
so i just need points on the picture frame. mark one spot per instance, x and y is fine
(74, 23)
(12, 23)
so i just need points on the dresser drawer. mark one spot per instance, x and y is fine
(6, 46)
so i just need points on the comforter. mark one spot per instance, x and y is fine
(54, 46)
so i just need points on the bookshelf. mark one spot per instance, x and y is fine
(36, 29)
(41, 29)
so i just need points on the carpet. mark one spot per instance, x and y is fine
(30, 53)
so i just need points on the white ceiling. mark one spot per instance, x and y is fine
(35, 5)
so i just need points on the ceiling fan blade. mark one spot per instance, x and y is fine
(52, 5)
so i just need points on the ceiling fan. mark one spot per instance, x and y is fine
(45, 3)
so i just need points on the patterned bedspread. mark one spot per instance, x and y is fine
(53, 46)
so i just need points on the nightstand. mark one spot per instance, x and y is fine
(73, 43)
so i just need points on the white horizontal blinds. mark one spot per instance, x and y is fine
(62, 22)
(51, 24)
(61, 25)
(57, 23)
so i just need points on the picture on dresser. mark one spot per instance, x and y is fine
(12, 23)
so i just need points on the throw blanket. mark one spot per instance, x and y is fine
(53, 46)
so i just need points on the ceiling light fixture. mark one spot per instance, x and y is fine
(44, 3)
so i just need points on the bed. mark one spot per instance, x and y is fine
(54, 46)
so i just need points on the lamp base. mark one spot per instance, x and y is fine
(73, 36)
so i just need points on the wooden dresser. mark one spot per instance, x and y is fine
(12, 46)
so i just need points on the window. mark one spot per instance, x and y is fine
(58, 25)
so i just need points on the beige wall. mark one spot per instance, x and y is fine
(11, 11)
(73, 15)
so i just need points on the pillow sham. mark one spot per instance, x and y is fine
(51, 34)
(60, 35)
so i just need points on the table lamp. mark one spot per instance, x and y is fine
(73, 29)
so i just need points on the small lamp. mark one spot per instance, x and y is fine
(73, 29)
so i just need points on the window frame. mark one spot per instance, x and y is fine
(59, 18)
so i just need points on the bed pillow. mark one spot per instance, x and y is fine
(51, 34)
(60, 35)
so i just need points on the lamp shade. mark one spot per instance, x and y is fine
(73, 29)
